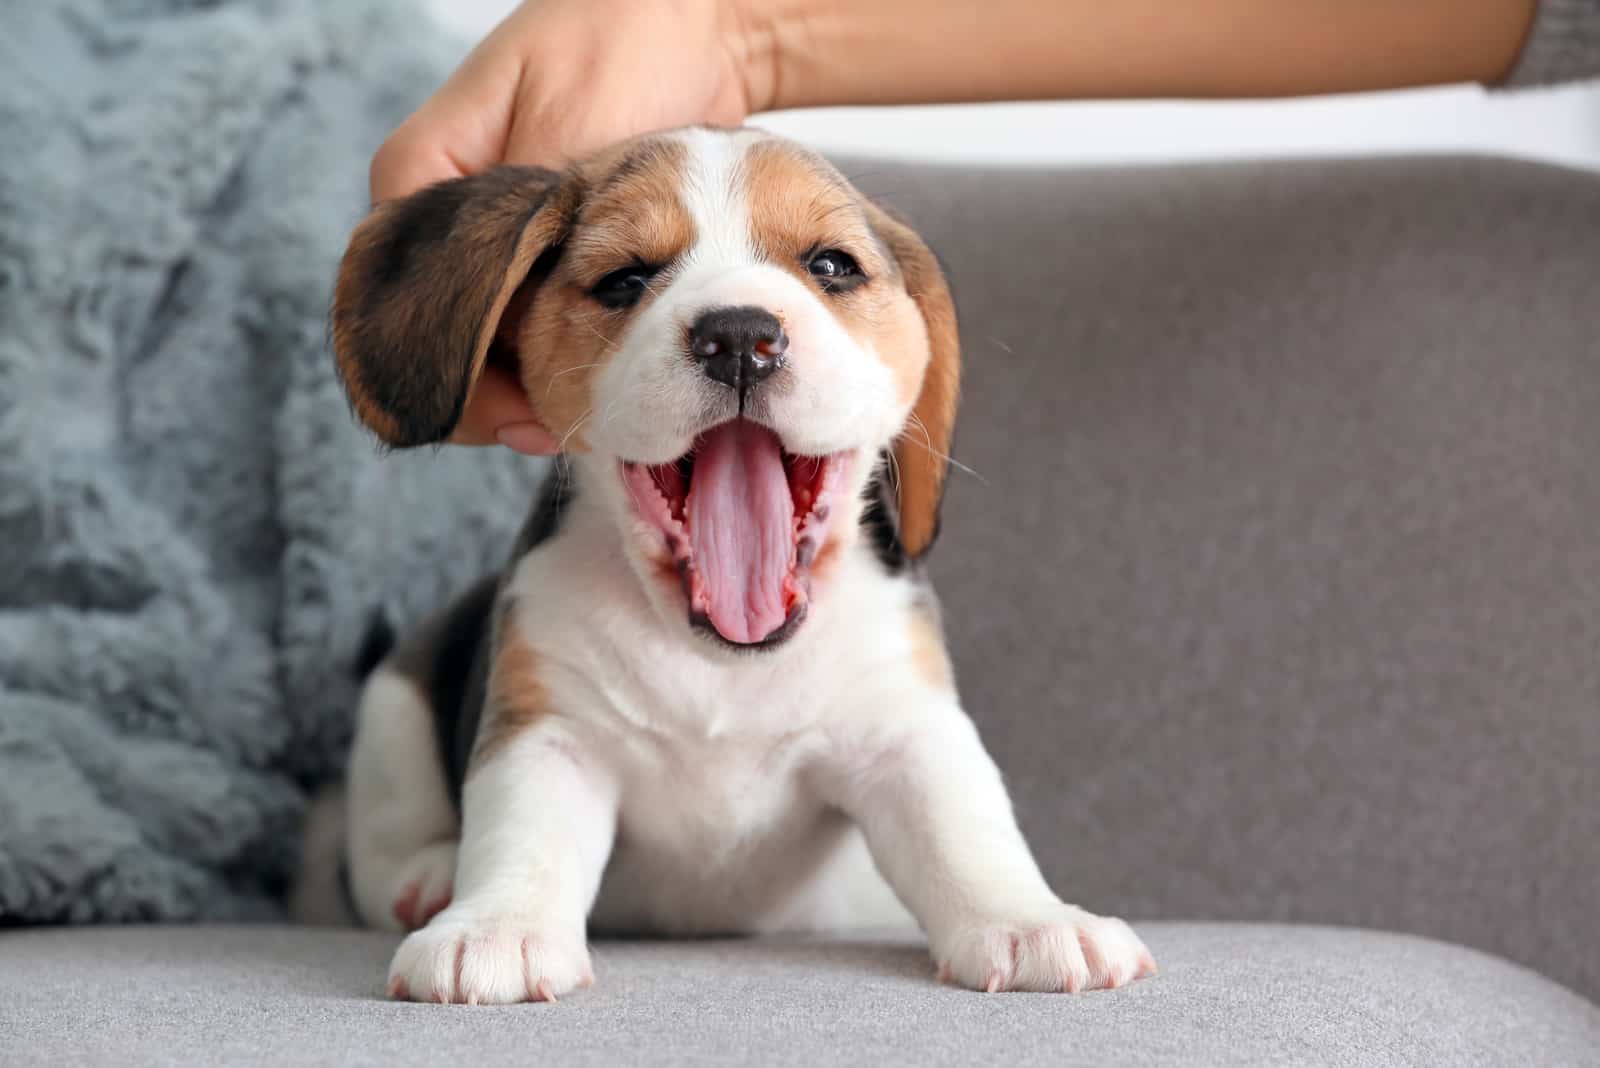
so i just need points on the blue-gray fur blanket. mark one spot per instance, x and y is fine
(193, 532)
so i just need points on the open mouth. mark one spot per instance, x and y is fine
(743, 520)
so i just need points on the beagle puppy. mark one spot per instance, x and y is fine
(709, 693)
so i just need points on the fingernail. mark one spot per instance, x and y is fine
(529, 438)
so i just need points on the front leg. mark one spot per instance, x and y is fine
(538, 821)
(941, 829)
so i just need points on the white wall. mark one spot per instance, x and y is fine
(1561, 125)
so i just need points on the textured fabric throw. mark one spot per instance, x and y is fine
(193, 532)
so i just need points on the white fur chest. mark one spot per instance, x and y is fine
(718, 829)
(714, 835)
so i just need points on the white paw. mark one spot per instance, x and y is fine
(464, 957)
(423, 888)
(1070, 950)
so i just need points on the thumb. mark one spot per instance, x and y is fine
(458, 131)
(498, 412)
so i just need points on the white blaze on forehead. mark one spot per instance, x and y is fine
(714, 197)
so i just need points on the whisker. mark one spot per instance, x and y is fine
(610, 344)
(551, 384)
(855, 176)
(568, 371)
(927, 443)
(563, 475)
(562, 446)
(564, 468)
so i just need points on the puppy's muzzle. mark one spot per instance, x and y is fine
(738, 347)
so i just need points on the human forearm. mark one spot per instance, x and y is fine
(807, 53)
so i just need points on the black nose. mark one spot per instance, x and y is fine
(738, 347)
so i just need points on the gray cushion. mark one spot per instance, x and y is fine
(1278, 597)
(1230, 994)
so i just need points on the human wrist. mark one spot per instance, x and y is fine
(827, 53)
(750, 31)
(801, 53)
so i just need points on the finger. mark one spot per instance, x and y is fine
(406, 164)
(537, 140)
(530, 439)
(498, 412)
(496, 400)
(458, 131)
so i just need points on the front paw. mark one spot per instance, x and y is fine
(466, 957)
(1067, 950)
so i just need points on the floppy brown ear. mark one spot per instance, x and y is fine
(922, 452)
(423, 289)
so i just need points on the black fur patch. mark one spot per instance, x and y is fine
(636, 160)
(376, 644)
(449, 655)
(461, 670)
(881, 522)
(421, 220)
(556, 493)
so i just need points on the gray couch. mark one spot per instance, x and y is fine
(1276, 592)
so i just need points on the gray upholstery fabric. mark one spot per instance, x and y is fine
(1276, 592)
(1229, 995)
(1563, 44)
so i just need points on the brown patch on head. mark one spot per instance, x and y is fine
(425, 285)
(633, 215)
(516, 697)
(635, 211)
(800, 206)
(928, 655)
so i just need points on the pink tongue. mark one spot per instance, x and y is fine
(741, 521)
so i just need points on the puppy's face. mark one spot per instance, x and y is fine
(731, 331)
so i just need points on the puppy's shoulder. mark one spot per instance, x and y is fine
(891, 632)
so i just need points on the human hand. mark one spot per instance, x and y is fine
(557, 80)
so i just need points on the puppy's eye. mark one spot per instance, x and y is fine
(622, 289)
(835, 271)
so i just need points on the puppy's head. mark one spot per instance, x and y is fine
(733, 335)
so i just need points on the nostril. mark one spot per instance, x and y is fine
(739, 346)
